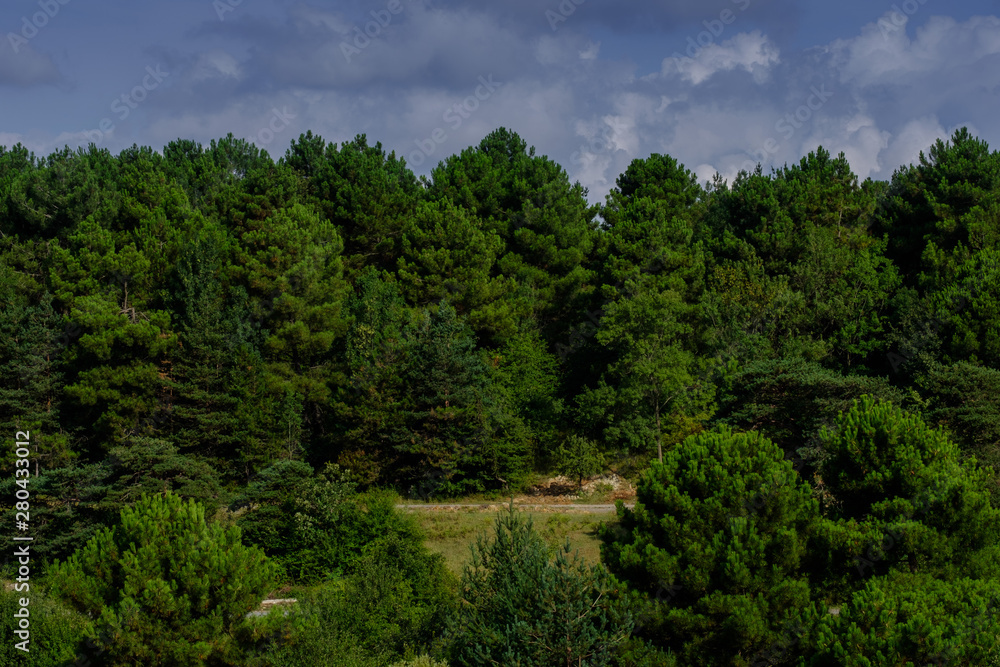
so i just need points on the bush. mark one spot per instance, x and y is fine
(518, 607)
(579, 458)
(913, 619)
(317, 526)
(57, 632)
(165, 587)
(719, 537)
(394, 599)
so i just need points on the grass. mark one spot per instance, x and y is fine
(452, 533)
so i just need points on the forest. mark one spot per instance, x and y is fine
(220, 372)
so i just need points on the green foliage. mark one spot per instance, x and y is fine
(723, 524)
(447, 383)
(72, 504)
(164, 586)
(525, 408)
(941, 211)
(913, 619)
(963, 398)
(447, 254)
(213, 323)
(789, 400)
(579, 458)
(30, 376)
(422, 661)
(57, 633)
(796, 271)
(298, 519)
(316, 526)
(544, 222)
(367, 194)
(519, 607)
(390, 605)
(903, 498)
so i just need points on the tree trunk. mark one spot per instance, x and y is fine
(659, 443)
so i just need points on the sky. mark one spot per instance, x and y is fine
(592, 84)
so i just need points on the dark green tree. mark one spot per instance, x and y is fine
(367, 194)
(547, 228)
(518, 606)
(913, 619)
(941, 211)
(724, 522)
(903, 498)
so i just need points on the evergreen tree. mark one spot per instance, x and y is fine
(547, 228)
(518, 606)
(902, 498)
(367, 194)
(724, 522)
(165, 587)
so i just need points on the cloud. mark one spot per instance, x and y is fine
(23, 66)
(593, 95)
(752, 52)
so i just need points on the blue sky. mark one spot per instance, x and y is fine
(593, 84)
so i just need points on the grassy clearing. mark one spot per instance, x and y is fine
(452, 533)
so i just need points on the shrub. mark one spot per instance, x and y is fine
(165, 587)
(719, 536)
(519, 607)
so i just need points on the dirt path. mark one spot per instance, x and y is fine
(496, 507)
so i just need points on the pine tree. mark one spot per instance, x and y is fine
(519, 606)
(165, 587)
(723, 524)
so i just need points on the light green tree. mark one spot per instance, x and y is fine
(165, 587)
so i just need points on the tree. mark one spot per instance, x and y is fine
(166, 587)
(941, 211)
(656, 388)
(370, 406)
(444, 407)
(913, 619)
(299, 519)
(525, 408)
(724, 523)
(367, 194)
(650, 330)
(446, 253)
(519, 607)
(546, 227)
(789, 400)
(579, 458)
(962, 397)
(903, 498)
(795, 266)
(30, 390)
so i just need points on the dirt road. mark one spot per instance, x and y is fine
(496, 507)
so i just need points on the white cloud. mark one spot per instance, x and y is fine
(751, 51)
